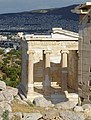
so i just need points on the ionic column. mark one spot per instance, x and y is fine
(47, 82)
(64, 55)
(30, 72)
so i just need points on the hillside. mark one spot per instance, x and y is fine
(40, 21)
(65, 12)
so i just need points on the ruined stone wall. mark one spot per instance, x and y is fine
(55, 58)
(84, 63)
(55, 66)
(38, 71)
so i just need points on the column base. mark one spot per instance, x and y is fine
(58, 97)
(31, 96)
(64, 80)
(22, 91)
(47, 91)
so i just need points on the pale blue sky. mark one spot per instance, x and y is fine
(10, 6)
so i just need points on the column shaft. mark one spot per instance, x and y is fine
(47, 82)
(30, 72)
(64, 61)
(64, 55)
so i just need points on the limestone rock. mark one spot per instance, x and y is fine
(78, 109)
(42, 102)
(2, 85)
(86, 106)
(1, 111)
(1, 118)
(87, 112)
(8, 95)
(20, 101)
(31, 116)
(88, 118)
(10, 116)
(56, 118)
(73, 97)
(14, 91)
(1, 97)
(70, 115)
(65, 105)
(50, 115)
(6, 106)
(16, 115)
(18, 97)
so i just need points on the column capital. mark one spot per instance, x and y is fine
(47, 52)
(77, 51)
(64, 51)
(30, 52)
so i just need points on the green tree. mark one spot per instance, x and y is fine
(5, 115)
(11, 67)
(1, 52)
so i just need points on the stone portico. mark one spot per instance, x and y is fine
(49, 63)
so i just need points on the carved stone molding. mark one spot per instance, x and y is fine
(30, 52)
(64, 51)
(47, 52)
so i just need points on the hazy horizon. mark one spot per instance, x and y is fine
(13, 6)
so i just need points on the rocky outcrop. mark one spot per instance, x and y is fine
(63, 115)
(7, 95)
(68, 110)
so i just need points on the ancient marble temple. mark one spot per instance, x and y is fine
(49, 64)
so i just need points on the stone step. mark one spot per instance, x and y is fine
(71, 96)
(57, 98)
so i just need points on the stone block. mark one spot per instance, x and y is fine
(31, 116)
(70, 115)
(78, 109)
(65, 105)
(42, 102)
(2, 85)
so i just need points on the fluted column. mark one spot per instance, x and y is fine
(30, 72)
(64, 55)
(47, 82)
